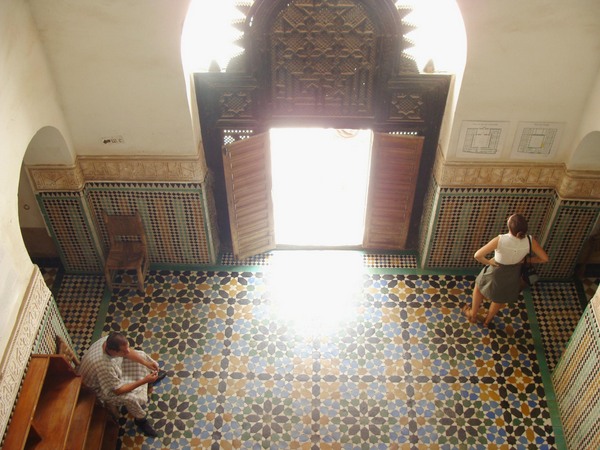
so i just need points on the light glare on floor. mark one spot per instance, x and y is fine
(313, 305)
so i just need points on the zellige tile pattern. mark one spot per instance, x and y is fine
(406, 371)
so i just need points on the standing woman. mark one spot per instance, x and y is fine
(500, 280)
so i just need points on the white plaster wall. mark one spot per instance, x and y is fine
(28, 102)
(119, 70)
(529, 61)
(587, 139)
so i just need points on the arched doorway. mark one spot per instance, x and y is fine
(327, 64)
(47, 146)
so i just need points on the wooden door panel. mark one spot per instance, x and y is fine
(395, 163)
(247, 169)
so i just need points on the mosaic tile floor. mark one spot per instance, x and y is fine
(403, 368)
(79, 298)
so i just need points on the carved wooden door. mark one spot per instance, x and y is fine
(394, 169)
(247, 168)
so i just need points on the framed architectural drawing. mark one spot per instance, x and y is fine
(480, 139)
(537, 140)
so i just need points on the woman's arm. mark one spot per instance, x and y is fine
(480, 255)
(541, 256)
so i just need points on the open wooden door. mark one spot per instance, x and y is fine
(394, 170)
(247, 168)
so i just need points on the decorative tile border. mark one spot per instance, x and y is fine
(569, 184)
(16, 355)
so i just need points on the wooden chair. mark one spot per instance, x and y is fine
(128, 249)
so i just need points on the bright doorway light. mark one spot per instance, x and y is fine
(208, 34)
(439, 34)
(315, 306)
(320, 181)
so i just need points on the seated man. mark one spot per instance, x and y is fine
(119, 375)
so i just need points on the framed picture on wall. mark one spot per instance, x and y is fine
(537, 140)
(481, 139)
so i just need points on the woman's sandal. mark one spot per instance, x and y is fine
(466, 311)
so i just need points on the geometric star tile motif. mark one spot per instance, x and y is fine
(405, 371)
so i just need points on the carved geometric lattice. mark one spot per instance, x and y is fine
(231, 135)
(323, 57)
(406, 106)
(236, 105)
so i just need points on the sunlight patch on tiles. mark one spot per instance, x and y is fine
(320, 305)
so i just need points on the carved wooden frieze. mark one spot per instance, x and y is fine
(132, 169)
(16, 355)
(568, 184)
(323, 59)
(142, 169)
(56, 178)
(582, 184)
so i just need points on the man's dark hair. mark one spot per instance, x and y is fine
(115, 341)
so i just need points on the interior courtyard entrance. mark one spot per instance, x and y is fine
(320, 180)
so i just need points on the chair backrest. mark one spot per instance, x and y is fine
(124, 227)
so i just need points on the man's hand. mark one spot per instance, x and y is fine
(136, 356)
(151, 377)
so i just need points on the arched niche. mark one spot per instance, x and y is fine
(47, 147)
(587, 154)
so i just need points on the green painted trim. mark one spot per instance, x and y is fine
(208, 230)
(561, 443)
(207, 268)
(583, 300)
(57, 281)
(102, 312)
(411, 271)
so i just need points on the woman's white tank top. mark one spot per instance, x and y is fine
(511, 249)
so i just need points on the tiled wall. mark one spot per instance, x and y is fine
(468, 204)
(572, 224)
(464, 219)
(577, 383)
(174, 216)
(67, 219)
